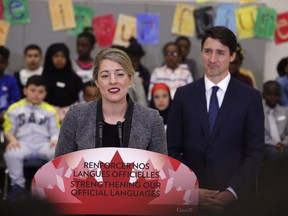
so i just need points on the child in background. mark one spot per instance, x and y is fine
(31, 128)
(32, 59)
(63, 84)
(276, 122)
(9, 90)
(185, 45)
(83, 65)
(172, 74)
(136, 53)
(161, 100)
(235, 68)
(90, 91)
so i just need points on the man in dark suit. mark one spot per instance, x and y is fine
(220, 138)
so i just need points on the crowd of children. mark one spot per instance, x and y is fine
(31, 124)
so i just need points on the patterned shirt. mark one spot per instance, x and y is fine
(172, 78)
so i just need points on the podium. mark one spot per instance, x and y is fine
(117, 181)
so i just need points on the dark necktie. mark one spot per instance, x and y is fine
(213, 108)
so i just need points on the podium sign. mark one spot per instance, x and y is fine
(120, 181)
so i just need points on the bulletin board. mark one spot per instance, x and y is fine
(39, 31)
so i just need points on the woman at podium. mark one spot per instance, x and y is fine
(114, 120)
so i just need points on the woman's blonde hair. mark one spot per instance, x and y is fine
(115, 55)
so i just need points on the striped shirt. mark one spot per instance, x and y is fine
(172, 78)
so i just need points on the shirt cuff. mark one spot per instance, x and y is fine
(233, 192)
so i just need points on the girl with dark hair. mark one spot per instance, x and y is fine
(83, 64)
(63, 85)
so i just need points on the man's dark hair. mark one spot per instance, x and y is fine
(224, 35)
(32, 47)
(4, 52)
(36, 80)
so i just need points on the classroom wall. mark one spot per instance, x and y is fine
(39, 31)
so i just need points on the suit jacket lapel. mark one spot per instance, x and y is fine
(202, 108)
(228, 101)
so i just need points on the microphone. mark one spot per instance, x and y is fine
(119, 126)
(100, 130)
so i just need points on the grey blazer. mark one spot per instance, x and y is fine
(78, 129)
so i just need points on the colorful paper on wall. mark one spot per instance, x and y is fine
(126, 28)
(104, 29)
(83, 18)
(16, 12)
(245, 21)
(147, 28)
(265, 23)
(281, 33)
(4, 30)
(1, 9)
(203, 1)
(203, 19)
(225, 16)
(247, 1)
(183, 22)
(62, 14)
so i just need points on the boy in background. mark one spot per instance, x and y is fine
(32, 59)
(31, 128)
(276, 122)
(90, 91)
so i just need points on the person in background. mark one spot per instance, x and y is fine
(216, 127)
(161, 100)
(83, 64)
(282, 69)
(273, 177)
(140, 127)
(185, 45)
(136, 91)
(245, 71)
(32, 60)
(63, 84)
(234, 68)
(276, 122)
(90, 91)
(136, 53)
(9, 90)
(172, 74)
(31, 129)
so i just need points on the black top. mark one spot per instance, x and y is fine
(110, 135)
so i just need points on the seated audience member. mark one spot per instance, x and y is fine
(83, 64)
(282, 69)
(9, 90)
(273, 178)
(234, 68)
(90, 91)
(32, 60)
(185, 45)
(31, 128)
(161, 100)
(245, 71)
(136, 53)
(63, 84)
(172, 74)
(276, 122)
